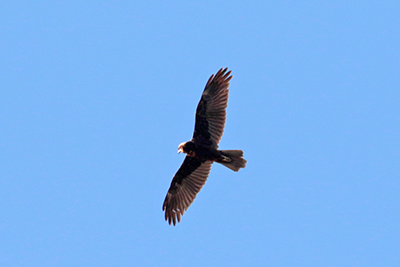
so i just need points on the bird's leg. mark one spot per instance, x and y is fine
(226, 159)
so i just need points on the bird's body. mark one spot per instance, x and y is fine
(199, 151)
(202, 150)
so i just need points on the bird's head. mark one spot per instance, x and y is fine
(186, 147)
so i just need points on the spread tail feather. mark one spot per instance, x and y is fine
(236, 159)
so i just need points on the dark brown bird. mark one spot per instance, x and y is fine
(202, 150)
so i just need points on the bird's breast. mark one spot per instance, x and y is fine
(192, 154)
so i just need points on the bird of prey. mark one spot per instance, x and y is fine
(202, 150)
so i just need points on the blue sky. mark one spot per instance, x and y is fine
(96, 96)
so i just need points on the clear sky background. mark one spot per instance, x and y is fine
(95, 97)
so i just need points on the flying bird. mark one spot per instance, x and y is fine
(202, 150)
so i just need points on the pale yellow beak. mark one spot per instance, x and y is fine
(180, 147)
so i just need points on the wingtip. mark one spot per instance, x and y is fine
(222, 71)
(227, 76)
(221, 76)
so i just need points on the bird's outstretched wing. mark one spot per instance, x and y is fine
(210, 113)
(185, 185)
